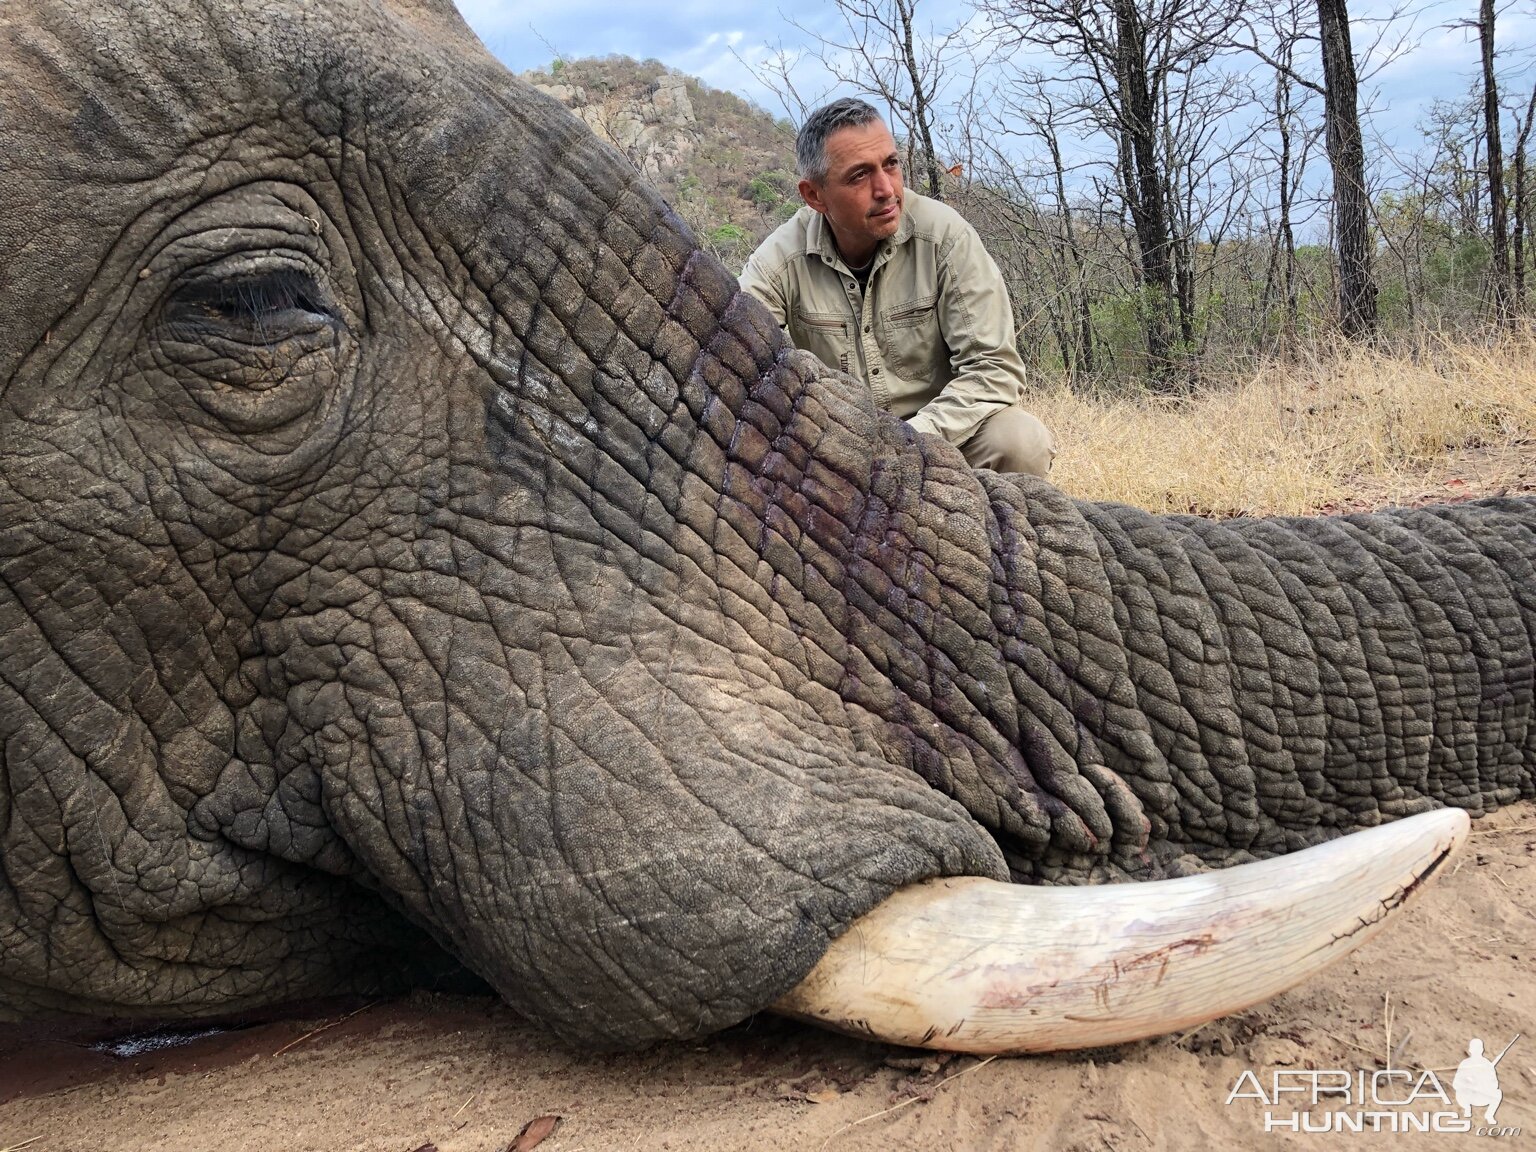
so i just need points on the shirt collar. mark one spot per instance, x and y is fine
(819, 237)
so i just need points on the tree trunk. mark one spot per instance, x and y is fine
(1285, 237)
(1184, 288)
(1075, 254)
(1144, 187)
(1517, 304)
(1498, 223)
(1346, 152)
(920, 113)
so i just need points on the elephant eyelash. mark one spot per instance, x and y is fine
(269, 305)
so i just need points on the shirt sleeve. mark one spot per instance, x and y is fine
(976, 322)
(755, 280)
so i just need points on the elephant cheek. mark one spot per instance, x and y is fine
(625, 864)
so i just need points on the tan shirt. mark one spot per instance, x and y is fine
(932, 334)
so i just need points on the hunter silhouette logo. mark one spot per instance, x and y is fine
(1477, 1080)
(1382, 1100)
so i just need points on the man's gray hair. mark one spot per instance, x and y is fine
(811, 143)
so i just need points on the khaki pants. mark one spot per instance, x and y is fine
(1011, 440)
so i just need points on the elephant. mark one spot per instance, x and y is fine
(419, 561)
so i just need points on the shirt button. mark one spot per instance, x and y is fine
(866, 328)
(877, 371)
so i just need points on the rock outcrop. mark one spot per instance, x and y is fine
(656, 129)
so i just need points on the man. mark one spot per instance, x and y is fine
(896, 289)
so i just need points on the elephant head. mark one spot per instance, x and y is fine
(414, 551)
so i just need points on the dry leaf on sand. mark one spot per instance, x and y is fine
(534, 1133)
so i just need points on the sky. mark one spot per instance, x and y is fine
(710, 39)
(694, 36)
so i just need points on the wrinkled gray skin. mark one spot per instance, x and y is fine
(413, 551)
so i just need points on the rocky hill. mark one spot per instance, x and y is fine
(725, 165)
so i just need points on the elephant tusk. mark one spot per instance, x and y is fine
(974, 965)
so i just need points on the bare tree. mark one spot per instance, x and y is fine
(1498, 222)
(883, 53)
(1522, 138)
(1025, 213)
(1282, 26)
(917, 112)
(1134, 65)
(1340, 91)
(1280, 277)
(1346, 152)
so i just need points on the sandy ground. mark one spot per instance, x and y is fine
(465, 1076)
(1463, 474)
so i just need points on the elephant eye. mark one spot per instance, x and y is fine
(259, 308)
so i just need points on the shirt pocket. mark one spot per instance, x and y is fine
(827, 336)
(911, 342)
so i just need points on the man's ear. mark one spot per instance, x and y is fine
(812, 196)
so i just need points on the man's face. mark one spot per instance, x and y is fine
(861, 195)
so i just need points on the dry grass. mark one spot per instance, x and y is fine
(1333, 429)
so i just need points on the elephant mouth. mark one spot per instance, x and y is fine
(981, 966)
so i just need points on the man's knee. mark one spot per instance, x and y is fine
(1011, 440)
